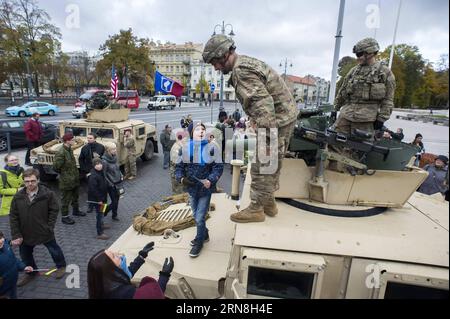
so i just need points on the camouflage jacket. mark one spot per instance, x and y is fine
(367, 94)
(66, 166)
(130, 145)
(262, 93)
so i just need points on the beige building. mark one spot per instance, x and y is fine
(174, 60)
(199, 70)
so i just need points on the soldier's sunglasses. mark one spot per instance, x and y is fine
(360, 54)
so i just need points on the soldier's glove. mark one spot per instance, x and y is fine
(186, 181)
(167, 267)
(378, 125)
(144, 252)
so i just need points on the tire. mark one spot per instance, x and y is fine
(43, 175)
(22, 114)
(148, 151)
(3, 144)
(51, 113)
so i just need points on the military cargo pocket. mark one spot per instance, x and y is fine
(365, 91)
(377, 91)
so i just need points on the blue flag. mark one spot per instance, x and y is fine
(167, 85)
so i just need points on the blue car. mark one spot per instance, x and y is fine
(29, 108)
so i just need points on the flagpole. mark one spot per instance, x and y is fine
(391, 58)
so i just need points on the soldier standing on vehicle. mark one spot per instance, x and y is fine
(69, 179)
(366, 97)
(130, 146)
(266, 99)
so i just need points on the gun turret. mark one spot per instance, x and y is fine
(357, 141)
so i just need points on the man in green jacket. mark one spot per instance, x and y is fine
(11, 181)
(69, 179)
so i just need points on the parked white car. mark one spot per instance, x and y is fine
(159, 102)
(79, 111)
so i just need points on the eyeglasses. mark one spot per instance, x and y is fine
(360, 54)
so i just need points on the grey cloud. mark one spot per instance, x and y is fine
(302, 31)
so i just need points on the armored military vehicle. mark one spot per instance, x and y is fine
(109, 124)
(359, 233)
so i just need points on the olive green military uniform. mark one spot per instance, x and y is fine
(267, 100)
(69, 179)
(366, 95)
(130, 164)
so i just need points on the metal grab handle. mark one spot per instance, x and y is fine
(233, 287)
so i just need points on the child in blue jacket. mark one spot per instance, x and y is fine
(198, 171)
(9, 270)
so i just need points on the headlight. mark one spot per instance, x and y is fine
(41, 158)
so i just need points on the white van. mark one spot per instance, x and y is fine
(159, 102)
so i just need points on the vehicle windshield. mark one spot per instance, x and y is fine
(155, 98)
(76, 131)
(86, 95)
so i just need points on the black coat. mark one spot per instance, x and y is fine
(87, 155)
(97, 186)
(35, 221)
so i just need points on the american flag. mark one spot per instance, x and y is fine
(114, 83)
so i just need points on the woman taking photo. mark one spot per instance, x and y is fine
(109, 276)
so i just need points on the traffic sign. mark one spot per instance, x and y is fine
(212, 87)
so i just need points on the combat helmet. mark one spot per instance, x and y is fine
(216, 47)
(369, 45)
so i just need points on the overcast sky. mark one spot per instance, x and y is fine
(272, 30)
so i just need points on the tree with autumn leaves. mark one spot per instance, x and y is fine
(131, 57)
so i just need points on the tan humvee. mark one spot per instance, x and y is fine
(367, 236)
(109, 126)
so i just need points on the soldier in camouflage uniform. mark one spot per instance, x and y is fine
(177, 188)
(69, 179)
(266, 99)
(130, 146)
(366, 97)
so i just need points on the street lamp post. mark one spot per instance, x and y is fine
(201, 84)
(223, 27)
(286, 63)
(27, 54)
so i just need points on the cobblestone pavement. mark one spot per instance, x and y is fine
(78, 241)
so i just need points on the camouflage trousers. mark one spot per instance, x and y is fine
(130, 165)
(264, 184)
(177, 188)
(346, 127)
(69, 196)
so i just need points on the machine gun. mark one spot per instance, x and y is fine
(357, 141)
(318, 187)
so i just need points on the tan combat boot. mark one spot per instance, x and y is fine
(270, 208)
(251, 214)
